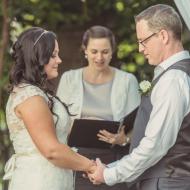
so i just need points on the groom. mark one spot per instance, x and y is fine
(160, 149)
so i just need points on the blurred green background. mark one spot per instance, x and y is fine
(69, 19)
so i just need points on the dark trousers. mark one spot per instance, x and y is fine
(163, 184)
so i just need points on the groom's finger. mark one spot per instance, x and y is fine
(95, 182)
(98, 162)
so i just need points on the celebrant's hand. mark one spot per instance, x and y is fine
(113, 138)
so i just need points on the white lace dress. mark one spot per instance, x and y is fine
(27, 169)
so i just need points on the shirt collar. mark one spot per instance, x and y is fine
(174, 59)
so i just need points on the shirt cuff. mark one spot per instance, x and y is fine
(112, 164)
(110, 176)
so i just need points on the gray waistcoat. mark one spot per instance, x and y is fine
(176, 163)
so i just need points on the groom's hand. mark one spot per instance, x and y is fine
(91, 169)
(97, 176)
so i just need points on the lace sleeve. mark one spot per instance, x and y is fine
(20, 94)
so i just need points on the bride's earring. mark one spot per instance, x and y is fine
(86, 56)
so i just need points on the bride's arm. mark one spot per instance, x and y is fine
(38, 120)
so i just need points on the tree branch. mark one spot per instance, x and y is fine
(5, 34)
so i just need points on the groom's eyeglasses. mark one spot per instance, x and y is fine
(142, 42)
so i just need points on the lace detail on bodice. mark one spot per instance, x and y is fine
(16, 126)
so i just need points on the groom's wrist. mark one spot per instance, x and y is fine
(109, 175)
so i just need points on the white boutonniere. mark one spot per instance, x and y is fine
(145, 87)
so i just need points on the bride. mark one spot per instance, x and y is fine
(38, 121)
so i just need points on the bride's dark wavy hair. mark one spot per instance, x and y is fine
(31, 52)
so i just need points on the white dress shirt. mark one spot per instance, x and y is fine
(170, 98)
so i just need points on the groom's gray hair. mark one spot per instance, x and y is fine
(160, 17)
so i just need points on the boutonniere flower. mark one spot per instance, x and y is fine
(145, 87)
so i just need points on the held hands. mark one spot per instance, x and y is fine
(91, 168)
(96, 177)
(113, 138)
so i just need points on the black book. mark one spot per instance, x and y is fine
(84, 133)
(129, 120)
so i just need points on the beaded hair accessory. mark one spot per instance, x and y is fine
(39, 37)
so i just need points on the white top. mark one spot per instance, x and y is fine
(170, 98)
(124, 93)
(97, 101)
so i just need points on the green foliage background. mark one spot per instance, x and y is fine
(57, 15)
